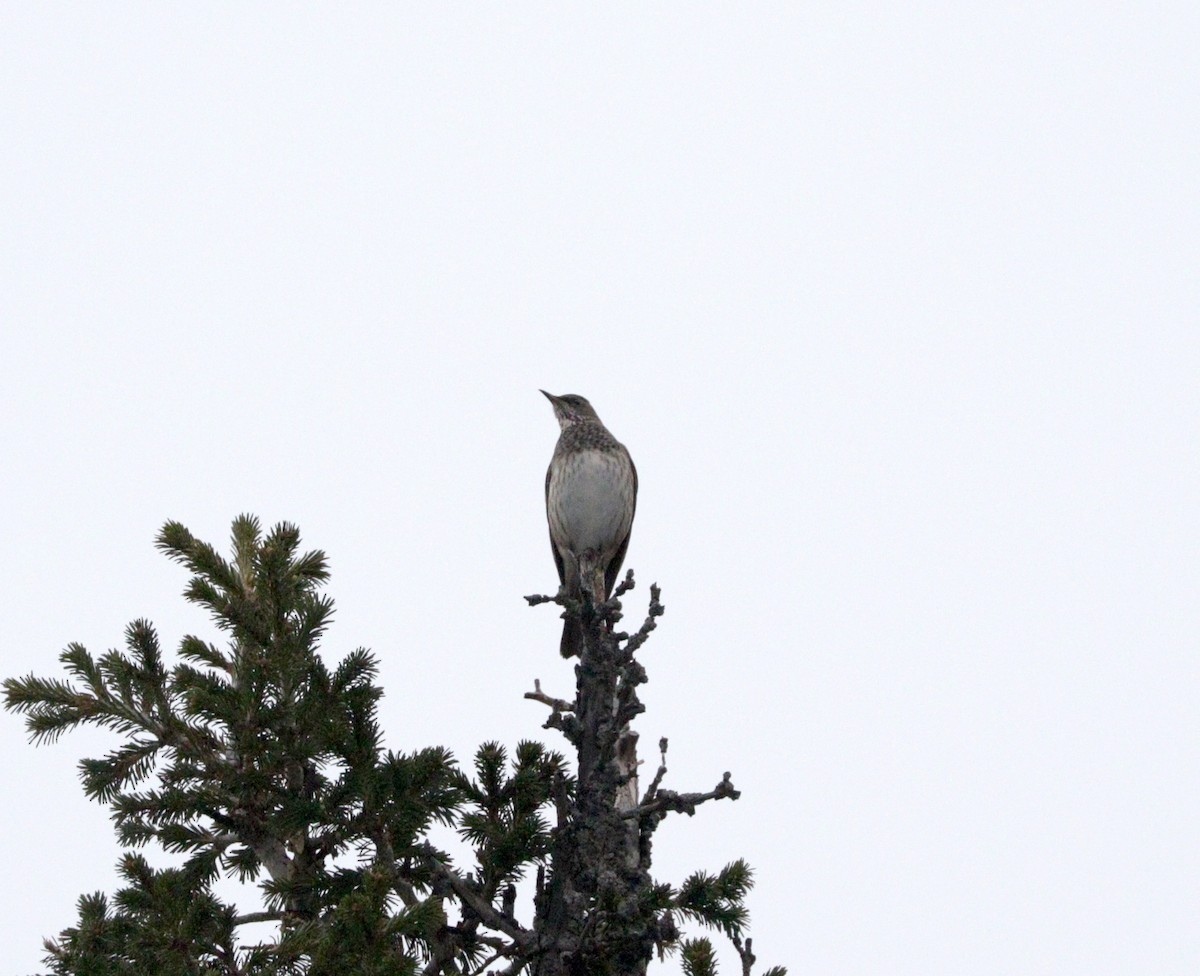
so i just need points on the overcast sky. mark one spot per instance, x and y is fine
(895, 307)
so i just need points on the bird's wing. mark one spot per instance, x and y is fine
(553, 548)
(614, 567)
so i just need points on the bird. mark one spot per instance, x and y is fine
(591, 497)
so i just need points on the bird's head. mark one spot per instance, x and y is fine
(571, 409)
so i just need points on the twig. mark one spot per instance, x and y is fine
(744, 952)
(561, 598)
(652, 789)
(625, 585)
(643, 633)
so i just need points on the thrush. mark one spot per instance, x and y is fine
(591, 496)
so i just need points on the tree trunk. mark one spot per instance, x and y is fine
(595, 916)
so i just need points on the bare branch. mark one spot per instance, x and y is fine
(515, 967)
(502, 951)
(557, 704)
(471, 898)
(668, 800)
(252, 917)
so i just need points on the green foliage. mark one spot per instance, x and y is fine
(251, 759)
(503, 818)
(698, 957)
(718, 900)
(164, 922)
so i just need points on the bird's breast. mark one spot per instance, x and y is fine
(590, 502)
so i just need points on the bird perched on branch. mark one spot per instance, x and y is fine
(591, 496)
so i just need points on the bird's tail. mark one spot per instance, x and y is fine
(571, 644)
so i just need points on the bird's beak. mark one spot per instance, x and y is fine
(549, 396)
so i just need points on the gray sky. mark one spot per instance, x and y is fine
(895, 308)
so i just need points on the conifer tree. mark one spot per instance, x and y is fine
(252, 759)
